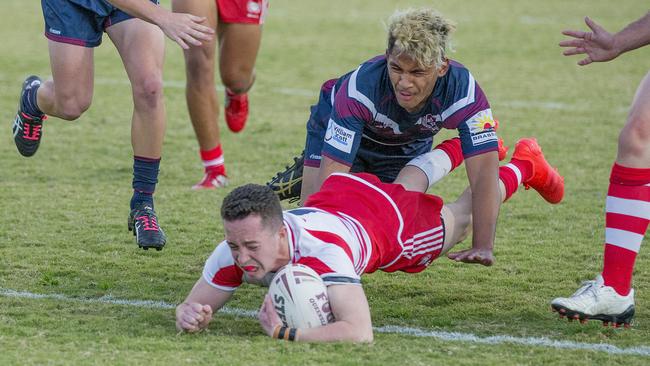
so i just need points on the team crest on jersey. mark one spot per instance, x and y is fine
(339, 137)
(428, 121)
(481, 127)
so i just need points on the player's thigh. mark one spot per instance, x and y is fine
(72, 71)
(202, 58)
(634, 139)
(238, 47)
(141, 46)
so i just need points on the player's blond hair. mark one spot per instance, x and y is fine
(422, 34)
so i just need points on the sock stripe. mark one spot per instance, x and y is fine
(215, 153)
(623, 239)
(641, 192)
(626, 222)
(213, 162)
(516, 171)
(147, 160)
(627, 215)
(623, 206)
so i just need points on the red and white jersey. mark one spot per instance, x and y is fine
(355, 224)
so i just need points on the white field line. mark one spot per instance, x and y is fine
(415, 332)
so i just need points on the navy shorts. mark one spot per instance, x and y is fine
(384, 161)
(80, 22)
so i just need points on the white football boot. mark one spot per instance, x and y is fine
(594, 300)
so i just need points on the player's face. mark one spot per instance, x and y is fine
(412, 84)
(256, 249)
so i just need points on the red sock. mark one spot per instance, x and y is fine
(626, 222)
(513, 173)
(452, 148)
(213, 160)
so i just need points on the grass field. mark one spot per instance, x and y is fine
(63, 212)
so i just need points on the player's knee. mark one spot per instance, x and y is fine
(200, 68)
(237, 85)
(70, 109)
(634, 139)
(148, 91)
(364, 336)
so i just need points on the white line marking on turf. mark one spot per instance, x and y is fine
(442, 335)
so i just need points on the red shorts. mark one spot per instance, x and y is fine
(405, 227)
(242, 11)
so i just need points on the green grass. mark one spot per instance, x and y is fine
(63, 213)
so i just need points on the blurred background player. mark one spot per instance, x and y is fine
(382, 115)
(374, 226)
(238, 24)
(610, 297)
(73, 29)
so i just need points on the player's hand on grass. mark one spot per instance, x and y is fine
(192, 317)
(269, 318)
(599, 45)
(185, 29)
(481, 256)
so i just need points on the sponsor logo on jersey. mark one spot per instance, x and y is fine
(426, 260)
(253, 7)
(339, 137)
(314, 157)
(481, 127)
(54, 31)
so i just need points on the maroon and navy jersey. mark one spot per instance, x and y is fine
(354, 225)
(364, 106)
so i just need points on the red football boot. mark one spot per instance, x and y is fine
(236, 110)
(503, 149)
(213, 178)
(544, 179)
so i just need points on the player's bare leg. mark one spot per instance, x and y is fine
(527, 167)
(238, 48)
(309, 182)
(141, 46)
(634, 139)
(67, 95)
(201, 95)
(609, 297)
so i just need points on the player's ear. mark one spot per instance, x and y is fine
(282, 232)
(442, 70)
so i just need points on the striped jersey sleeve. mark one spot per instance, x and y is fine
(220, 270)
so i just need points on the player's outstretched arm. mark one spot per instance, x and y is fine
(181, 28)
(350, 308)
(195, 313)
(599, 45)
(483, 173)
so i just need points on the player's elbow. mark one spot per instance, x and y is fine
(362, 334)
(365, 337)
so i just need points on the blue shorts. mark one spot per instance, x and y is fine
(80, 22)
(384, 161)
